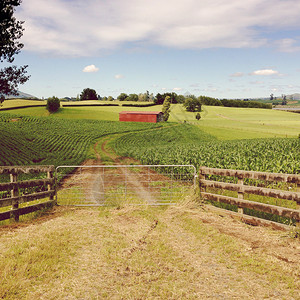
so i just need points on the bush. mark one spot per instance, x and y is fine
(53, 104)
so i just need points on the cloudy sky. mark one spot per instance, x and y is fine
(219, 48)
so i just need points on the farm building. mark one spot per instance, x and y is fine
(141, 116)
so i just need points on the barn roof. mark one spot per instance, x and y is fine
(141, 112)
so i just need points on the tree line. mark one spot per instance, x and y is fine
(191, 102)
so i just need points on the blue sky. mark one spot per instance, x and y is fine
(218, 48)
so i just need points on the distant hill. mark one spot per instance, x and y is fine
(295, 96)
(21, 95)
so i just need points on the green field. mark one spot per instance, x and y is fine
(225, 123)
(243, 138)
(234, 138)
(41, 140)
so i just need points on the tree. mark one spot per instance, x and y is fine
(53, 104)
(192, 104)
(88, 94)
(180, 98)
(132, 97)
(166, 108)
(284, 101)
(122, 97)
(159, 99)
(11, 31)
(198, 117)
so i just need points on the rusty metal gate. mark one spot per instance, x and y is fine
(123, 184)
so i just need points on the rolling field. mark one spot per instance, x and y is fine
(32, 140)
(250, 139)
(225, 123)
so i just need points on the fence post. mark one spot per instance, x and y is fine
(15, 193)
(50, 186)
(240, 194)
(201, 177)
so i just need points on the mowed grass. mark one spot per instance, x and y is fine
(225, 123)
(143, 253)
(229, 123)
(21, 102)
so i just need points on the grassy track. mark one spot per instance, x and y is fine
(139, 253)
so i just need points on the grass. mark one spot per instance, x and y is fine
(230, 123)
(225, 123)
(22, 102)
(137, 253)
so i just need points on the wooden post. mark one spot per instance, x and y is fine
(15, 193)
(50, 186)
(201, 177)
(240, 194)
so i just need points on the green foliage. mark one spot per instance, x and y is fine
(233, 103)
(198, 117)
(132, 97)
(192, 104)
(159, 99)
(240, 103)
(11, 31)
(53, 104)
(122, 97)
(166, 108)
(88, 94)
(209, 101)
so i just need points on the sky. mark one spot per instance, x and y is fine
(218, 48)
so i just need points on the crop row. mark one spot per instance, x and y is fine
(186, 144)
(31, 140)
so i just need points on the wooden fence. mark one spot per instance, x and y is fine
(242, 189)
(18, 191)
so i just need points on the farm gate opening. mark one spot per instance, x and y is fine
(101, 185)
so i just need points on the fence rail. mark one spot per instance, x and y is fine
(242, 189)
(16, 197)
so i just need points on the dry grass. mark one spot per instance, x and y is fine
(143, 252)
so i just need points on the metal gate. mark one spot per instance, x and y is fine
(123, 184)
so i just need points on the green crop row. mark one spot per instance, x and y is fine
(37, 140)
(186, 144)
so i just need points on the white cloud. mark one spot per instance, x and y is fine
(90, 69)
(85, 28)
(288, 45)
(265, 72)
(237, 74)
(119, 76)
(177, 89)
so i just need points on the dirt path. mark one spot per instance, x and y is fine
(134, 184)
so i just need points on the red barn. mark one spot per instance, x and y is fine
(141, 116)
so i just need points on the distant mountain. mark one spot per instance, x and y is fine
(20, 95)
